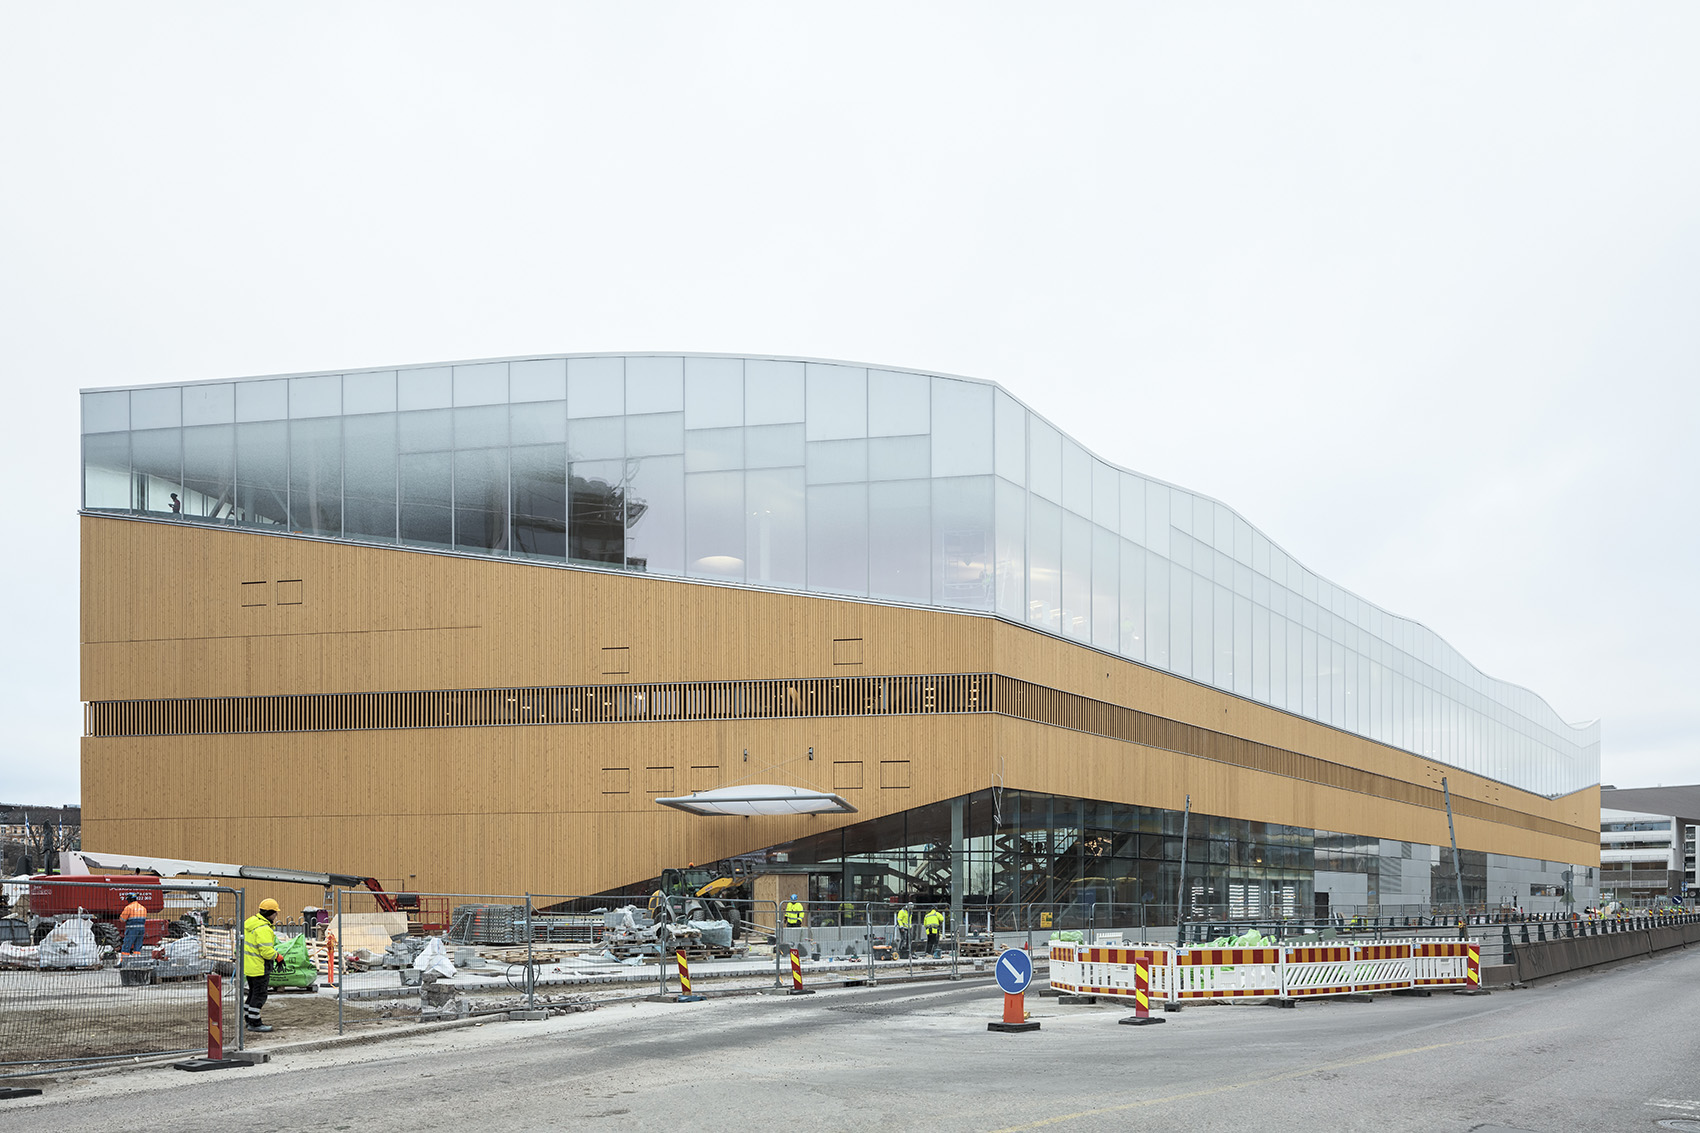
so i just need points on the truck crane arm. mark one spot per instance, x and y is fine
(73, 862)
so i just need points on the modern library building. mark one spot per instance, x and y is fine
(460, 627)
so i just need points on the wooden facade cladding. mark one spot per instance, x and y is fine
(398, 669)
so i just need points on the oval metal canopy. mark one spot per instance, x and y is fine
(760, 799)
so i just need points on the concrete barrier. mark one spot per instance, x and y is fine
(1555, 957)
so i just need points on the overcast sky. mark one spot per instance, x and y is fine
(1414, 288)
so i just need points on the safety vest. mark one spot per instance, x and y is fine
(903, 918)
(135, 910)
(934, 921)
(259, 944)
(793, 913)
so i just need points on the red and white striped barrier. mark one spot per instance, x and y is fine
(1290, 972)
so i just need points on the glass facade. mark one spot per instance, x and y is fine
(889, 485)
(1020, 848)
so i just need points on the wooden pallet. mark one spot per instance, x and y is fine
(975, 949)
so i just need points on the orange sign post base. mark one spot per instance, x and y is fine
(1015, 1019)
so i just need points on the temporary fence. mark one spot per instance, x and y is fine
(67, 1000)
(1270, 972)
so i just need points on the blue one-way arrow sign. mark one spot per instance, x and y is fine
(1015, 971)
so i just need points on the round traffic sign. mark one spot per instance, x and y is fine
(1015, 971)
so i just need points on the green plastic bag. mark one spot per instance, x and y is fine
(1068, 936)
(298, 969)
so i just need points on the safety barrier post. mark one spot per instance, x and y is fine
(685, 993)
(797, 987)
(1142, 1016)
(330, 959)
(1474, 975)
(215, 1059)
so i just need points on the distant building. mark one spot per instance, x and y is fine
(31, 835)
(1647, 838)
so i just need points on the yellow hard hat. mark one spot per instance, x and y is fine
(268, 906)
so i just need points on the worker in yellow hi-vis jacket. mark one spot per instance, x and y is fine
(259, 954)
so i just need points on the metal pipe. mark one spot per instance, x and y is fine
(1180, 897)
(1457, 868)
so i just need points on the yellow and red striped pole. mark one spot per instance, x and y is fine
(1141, 992)
(1475, 966)
(796, 971)
(215, 1016)
(684, 973)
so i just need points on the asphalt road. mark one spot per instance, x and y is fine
(1616, 1050)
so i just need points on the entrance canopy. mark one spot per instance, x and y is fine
(760, 799)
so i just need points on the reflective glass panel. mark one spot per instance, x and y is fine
(262, 461)
(369, 476)
(317, 396)
(596, 522)
(482, 426)
(1106, 590)
(655, 512)
(428, 430)
(776, 537)
(315, 476)
(426, 498)
(538, 500)
(714, 392)
(898, 404)
(596, 438)
(209, 405)
(537, 423)
(1157, 610)
(481, 499)
(837, 402)
(1157, 517)
(209, 470)
(655, 385)
(1132, 607)
(962, 428)
(106, 470)
(1180, 621)
(838, 538)
(1077, 577)
(156, 456)
(538, 379)
(773, 392)
(596, 387)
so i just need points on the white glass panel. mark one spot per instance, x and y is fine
(1106, 496)
(1132, 608)
(481, 498)
(655, 385)
(1077, 478)
(315, 476)
(714, 529)
(538, 379)
(963, 542)
(1011, 550)
(655, 512)
(1157, 517)
(209, 471)
(210, 405)
(655, 434)
(430, 387)
(596, 387)
(1180, 621)
(900, 540)
(106, 412)
(837, 402)
(1157, 610)
(773, 446)
(899, 458)
(898, 404)
(483, 384)
(1044, 456)
(776, 534)
(538, 422)
(714, 392)
(1044, 564)
(838, 538)
(836, 462)
(1106, 590)
(106, 469)
(1011, 438)
(595, 438)
(538, 479)
(1243, 659)
(713, 450)
(369, 476)
(1260, 653)
(773, 392)
(481, 426)
(962, 428)
(372, 392)
(158, 408)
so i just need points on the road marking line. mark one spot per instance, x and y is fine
(1288, 1076)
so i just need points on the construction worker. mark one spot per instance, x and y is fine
(905, 920)
(259, 956)
(135, 918)
(933, 922)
